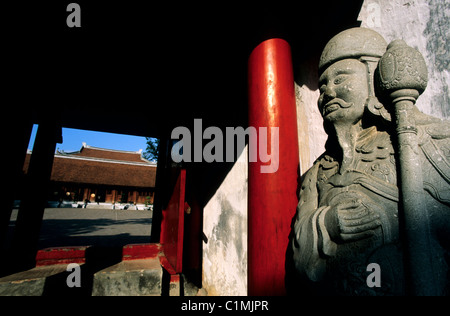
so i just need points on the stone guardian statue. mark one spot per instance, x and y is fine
(381, 191)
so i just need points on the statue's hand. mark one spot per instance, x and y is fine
(351, 220)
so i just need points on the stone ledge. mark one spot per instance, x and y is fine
(129, 278)
(31, 282)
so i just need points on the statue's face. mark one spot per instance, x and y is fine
(343, 91)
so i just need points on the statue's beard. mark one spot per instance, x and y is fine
(334, 105)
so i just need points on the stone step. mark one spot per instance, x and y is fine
(142, 271)
(142, 277)
(36, 282)
(49, 276)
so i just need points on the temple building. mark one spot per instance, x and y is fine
(101, 175)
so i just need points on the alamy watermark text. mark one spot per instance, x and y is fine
(259, 142)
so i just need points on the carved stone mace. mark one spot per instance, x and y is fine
(402, 78)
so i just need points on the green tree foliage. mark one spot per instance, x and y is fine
(151, 152)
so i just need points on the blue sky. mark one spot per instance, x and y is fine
(73, 139)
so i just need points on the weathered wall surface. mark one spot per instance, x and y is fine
(225, 227)
(311, 136)
(423, 24)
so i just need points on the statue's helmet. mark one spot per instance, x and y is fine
(352, 43)
(364, 45)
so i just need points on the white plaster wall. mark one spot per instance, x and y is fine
(225, 226)
(311, 136)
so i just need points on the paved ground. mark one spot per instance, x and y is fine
(97, 227)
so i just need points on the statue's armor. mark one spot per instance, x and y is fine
(372, 178)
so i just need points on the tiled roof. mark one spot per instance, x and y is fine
(95, 152)
(102, 167)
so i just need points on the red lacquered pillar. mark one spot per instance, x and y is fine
(272, 197)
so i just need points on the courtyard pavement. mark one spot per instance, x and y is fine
(96, 227)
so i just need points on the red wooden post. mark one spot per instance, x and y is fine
(172, 225)
(272, 197)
